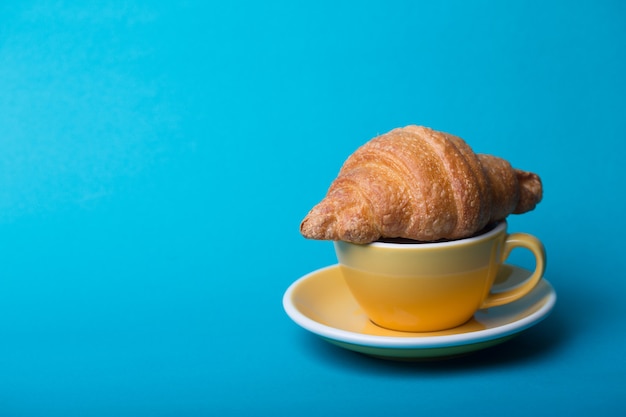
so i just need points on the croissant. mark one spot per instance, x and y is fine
(420, 184)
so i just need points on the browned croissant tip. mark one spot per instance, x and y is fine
(328, 222)
(421, 184)
(531, 191)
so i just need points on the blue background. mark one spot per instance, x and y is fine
(156, 159)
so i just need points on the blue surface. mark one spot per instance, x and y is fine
(156, 160)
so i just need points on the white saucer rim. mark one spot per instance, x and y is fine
(418, 342)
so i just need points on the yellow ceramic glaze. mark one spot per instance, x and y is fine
(422, 287)
(322, 303)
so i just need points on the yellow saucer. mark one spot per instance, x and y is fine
(321, 303)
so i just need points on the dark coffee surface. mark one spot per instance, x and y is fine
(400, 240)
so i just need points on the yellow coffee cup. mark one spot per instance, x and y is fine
(421, 287)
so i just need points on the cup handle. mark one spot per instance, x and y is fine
(522, 240)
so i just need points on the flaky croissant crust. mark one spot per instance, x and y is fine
(420, 184)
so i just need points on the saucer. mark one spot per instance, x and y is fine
(321, 303)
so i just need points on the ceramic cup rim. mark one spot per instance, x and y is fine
(500, 227)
